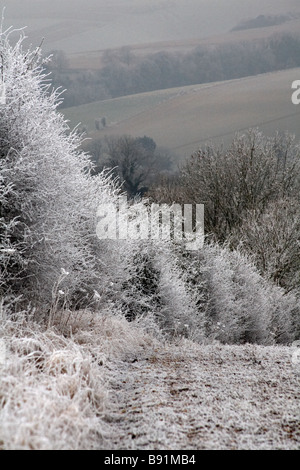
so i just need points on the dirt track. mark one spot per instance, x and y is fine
(205, 397)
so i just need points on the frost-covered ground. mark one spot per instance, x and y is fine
(207, 397)
(107, 384)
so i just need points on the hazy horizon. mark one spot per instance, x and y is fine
(84, 25)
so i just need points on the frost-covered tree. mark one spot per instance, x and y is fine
(254, 171)
(272, 239)
(48, 199)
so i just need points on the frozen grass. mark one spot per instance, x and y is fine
(53, 384)
(103, 383)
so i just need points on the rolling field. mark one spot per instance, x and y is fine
(93, 59)
(182, 119)
(78, 26)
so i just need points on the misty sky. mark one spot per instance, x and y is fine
(81, 25)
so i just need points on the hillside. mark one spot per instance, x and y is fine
(183, 119)
(86, 25)
(93, 59)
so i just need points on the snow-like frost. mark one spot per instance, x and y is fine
(111, 385)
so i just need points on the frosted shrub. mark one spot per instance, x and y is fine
(239, 305)
(180, 302)
(48, 198)
(154, 284)
(272, 240)
(141, 287)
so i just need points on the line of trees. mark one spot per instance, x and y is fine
(262, 21)
(125, 73)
